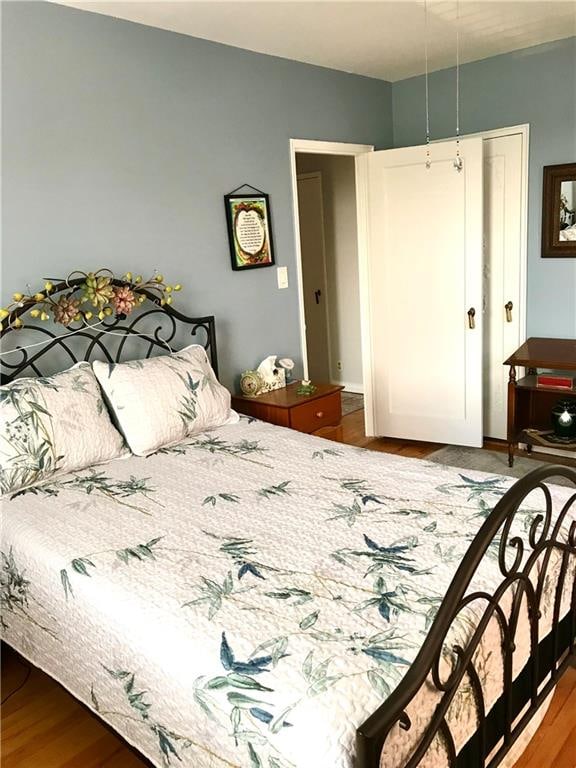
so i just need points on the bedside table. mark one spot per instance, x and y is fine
(319, 414)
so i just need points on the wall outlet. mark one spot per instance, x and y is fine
(282, 277)
(339, 365)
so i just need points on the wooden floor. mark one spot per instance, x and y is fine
(43, 726)
(554, 743)
(353, 434)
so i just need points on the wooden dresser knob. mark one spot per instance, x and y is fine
(319, 414)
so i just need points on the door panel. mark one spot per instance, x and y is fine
(311, 216)
(424, 273)
(503, 170)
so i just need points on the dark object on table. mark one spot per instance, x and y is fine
(564, 420)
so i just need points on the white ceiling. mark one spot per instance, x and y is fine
(379, 39)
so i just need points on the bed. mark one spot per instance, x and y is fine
(257, 597)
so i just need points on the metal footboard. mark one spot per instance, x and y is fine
(524, 563)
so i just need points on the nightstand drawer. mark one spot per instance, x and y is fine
(314, 414)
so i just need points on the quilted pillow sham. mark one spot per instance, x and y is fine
(163, 400)
(51, 425)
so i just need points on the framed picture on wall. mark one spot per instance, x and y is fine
(249, 230)
(559, 211)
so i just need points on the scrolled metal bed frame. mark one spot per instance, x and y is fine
(526, 577)
(157, 335)
(523, 578)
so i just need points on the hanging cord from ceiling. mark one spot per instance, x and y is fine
(458, 164)
(428, 162)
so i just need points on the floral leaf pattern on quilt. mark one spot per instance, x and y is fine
(396, 556)
(16, 596)
(323, 452)
(476, 489)
(85, 564)
(42, 426)
(266, 492)
(97, 482)
(188, 402)
(243, 554)
(241, 449)
(245, 701)
(170, 743)
(30, 435)
(270, 599)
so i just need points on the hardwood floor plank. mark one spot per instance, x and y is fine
(43, 726)
(564, 690)
(544, 749)
(120, 759)
(96, 754)
(566, 757)
(71, 746)
(35, 716)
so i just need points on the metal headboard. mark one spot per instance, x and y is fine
(156, 328)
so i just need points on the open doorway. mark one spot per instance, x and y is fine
(330, 294)
(499, 288)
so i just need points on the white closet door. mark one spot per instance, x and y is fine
(503, 169)
(423, 273)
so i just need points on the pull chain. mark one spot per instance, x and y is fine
(458, 164)
(428, 162)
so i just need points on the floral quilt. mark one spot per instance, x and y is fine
(245, 598)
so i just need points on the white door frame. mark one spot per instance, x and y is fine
(358, 151)
(311, 147)
(497, 133)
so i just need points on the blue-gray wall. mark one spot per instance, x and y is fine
(119, 141)
(536, 86)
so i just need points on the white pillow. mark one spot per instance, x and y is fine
(163, 400)
(51, 425)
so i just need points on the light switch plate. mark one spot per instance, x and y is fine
(282, 276)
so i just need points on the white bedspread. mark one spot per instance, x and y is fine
(247, 598)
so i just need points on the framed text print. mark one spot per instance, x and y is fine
(249, 230)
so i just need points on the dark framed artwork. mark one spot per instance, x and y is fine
(559, 211)
(249, 230)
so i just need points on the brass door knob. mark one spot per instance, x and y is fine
(508, 307)
(471, 316)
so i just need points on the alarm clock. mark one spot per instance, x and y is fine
(251, 383)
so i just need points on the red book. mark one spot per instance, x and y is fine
(552, 380)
